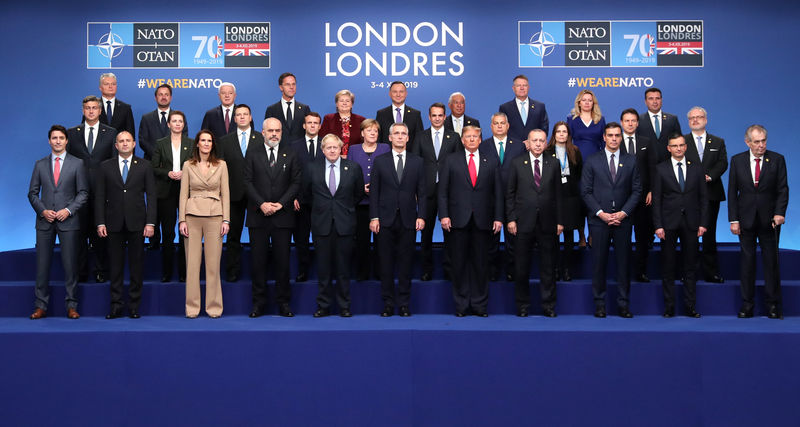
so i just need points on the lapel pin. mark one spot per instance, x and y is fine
(345, 168)
(620, 165)
(688, 162)
(135, 162)
(185, 148)
(448, 136)
(766, 159)
(284, 154)
(526, 162)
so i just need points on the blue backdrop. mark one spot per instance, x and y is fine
(748, 63)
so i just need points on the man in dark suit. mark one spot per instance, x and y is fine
(307, 149)
(397, 204)
(610, 188)
(642, 217)
(503, 148)
(457, 119)
(272, 177)
(471, 209)
(93, 142)
(219, 120)
(524, 114)
(114, 112)
(153, 125)
(656, 124)
(335, 186)
(433, 145)
(58, 190)
(680, 210)
(534, 210)
(758, 195)
(125, 211)
(289, 111)
(709, 151)
(399, 112)
(232, 148)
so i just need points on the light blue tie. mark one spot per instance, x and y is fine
(523, 112)
(681, 180)
(658, 126)
(124, 171)
(243, 144)
(700, 147)
(437, 144)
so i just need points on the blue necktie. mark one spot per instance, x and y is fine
(658, 126)
(523, 112)
(124, 171)
(243, 144)
(681, 180)
(108, 111)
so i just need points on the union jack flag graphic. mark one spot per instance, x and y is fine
(680, 48)
(246, 49)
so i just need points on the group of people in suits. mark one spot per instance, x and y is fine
(335, 178)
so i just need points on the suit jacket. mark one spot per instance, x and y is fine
(537, 118)
(465, 121)
(230, 150)
(525, 203)
(162, 162)
(670, 204)
(203, 195)
(646, 161)
(338, 210)
(511, 150)
(332, 123)
(214, 120)
(299, 112)
(600, 193)
(770, 198)
(151, 130)
(279, 183)
(127, 206)
(390, 197)
(103, 147)
(122, 118)
(423, 147)
(411, 117)
(715, 162)
(460, 201)
(669, 125)
(72, 192)
(300, 147)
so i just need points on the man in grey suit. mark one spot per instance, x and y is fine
(58, 189)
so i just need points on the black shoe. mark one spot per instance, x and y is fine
(557, 275)
(134, 314)
(114, 314)
(232, 278)
(481, 314)
(774, 313)
(669, 312)
(522, 312)
(404, 311)
(362, 277)
(624, 313)
(166, 278)
(745, 313)
(493, 277)
(565, 276)
(388, 311)
(321, 312)
(285, 311)
(460, 314)
(642, 278)
(255, 313)
(426, 277)
(301, 277)
(83, 278)
(152, 246)
(100, 278)
(182, 278)
(509, 277)
(345, 312)
(715, 279)
(691, 312)
(447, 275)
(549, 312)
(600, 312)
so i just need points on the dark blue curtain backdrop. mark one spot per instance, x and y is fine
(749, 62)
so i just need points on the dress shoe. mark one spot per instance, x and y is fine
(100, 278)
(152, 246)
(509, 277)
(285, 311)
(642, 278)
(714, 279)
(549, 312)
(165, 278)
(745, 313)
(600, 312)
(565, 276)
(232, 278)
(182, 278)
(447, 275)
(493, 277)
(481, 314)
(134, 314)
(38, 314)
(557, 275)
(301, 277)
(83, 278)
(345, 312)
(114, 314)
(624, 313)
(388, 311)
(522, 312)
(73, 314)
(404, 311)
(460, 314)
(321, 312)
(426, 277)
(255, 313)
(669, 312)
(774, 313)
(691, 312)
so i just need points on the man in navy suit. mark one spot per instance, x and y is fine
(680, 210)
(503, 148)
(397, 204)
(399, 112)
(457, 119)
(58, 190)
(288, 110)
(335, 186)
(308, 149)
(433, 145)
(219, 120)
(524, 114)
(610, 188)
(656, 124)
(93, 142)
(471, 209)
(114, 112)
(534, 210)
(758, 194)
(125, 211)
(709, 151)
(153, 125)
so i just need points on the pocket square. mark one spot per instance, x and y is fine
(713, 149)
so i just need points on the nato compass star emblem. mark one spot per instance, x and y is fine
(110, 45)
(542, 44)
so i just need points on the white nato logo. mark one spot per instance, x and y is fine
(110, 45)
(542, 44)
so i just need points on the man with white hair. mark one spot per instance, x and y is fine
(219, 120)
(114, 112)
(457, 119)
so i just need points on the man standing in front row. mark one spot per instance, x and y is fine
(610, 188)
(680, 210)
(758, 195)
(397, 205)
(125, 212)
(334, 186)
(59, 188)
(471, 209)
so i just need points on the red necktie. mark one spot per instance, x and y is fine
(57, 170)
(758, 170)
(473, 173)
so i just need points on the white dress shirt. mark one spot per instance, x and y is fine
(476, 159)
(336, 172)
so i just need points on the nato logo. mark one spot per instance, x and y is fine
(541, 44)
(109, 45)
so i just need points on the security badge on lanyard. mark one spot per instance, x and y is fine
(564, 167)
